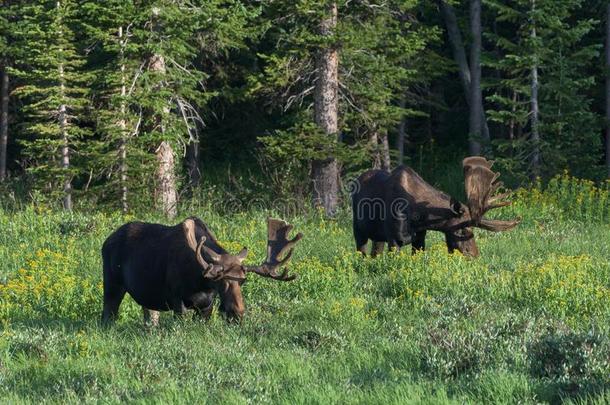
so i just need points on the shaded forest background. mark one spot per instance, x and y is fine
(123, 104)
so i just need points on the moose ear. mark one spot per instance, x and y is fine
(457, 207)
(241, 256)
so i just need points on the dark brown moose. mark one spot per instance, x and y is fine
(398, 208)
(183, 267)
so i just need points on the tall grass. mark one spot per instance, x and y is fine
(526, 322)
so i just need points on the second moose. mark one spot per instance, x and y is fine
(398, 208)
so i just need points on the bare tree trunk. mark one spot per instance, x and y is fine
(380, 150)
(608, 89)
(476, 99)
(123, 127)
(325, 172)
(4, 95)
(386, 162)
(166, 192)
(192, 163)
(167, 198)
(65, 147)
(63, 129)
(459, 55)
(535, 111)
(400, 138)
(511, 124)
(374, 144)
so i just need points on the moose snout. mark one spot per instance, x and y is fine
(406, 239)
(234, 312)
(232, 302)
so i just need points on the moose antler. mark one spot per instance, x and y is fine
(480, 183)
(209, 270)
(277, 246)
(189, 232)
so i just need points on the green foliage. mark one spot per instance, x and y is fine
(138, 106)
(576, 199)
(237, 89)
(379, 47)
(51, 66)
(569, 126)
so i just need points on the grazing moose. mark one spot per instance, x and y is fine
(183, 266)
(400, 207)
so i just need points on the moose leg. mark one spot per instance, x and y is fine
(114, 291)
(205, 311)
(361, 244)
(394, 245)
(178, 307)
(202, 303)
(419, 242)
(377, 248)
(151, 317)
(113, 296)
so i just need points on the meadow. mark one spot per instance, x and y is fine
(527, 322)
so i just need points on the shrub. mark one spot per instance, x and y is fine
(48, 287)
(569, 197)
(575, 363)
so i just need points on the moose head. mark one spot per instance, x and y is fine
(227, 272)
(480, 186)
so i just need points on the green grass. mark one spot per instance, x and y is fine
(529, 321)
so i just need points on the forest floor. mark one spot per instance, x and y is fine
(528, 321)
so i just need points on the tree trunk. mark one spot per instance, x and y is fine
(192, 163)
(535, 137)
(386, 162)
(476, 99)
(512, 122)
(608, 89)
(123, 127)
(63, 130)
(4, 95)
(65, 147)
(381, 151)
(166, 191)
(376, 153)
(459, 55)
(325, 172)
(400, 138)
(167, 198)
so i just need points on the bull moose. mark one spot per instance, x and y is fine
(184, 267)
(398, 208)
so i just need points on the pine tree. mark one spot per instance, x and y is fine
(381, 66)
(151, 88)
(376, 45)
(543, 96)
(118, 64)
(54, 92)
